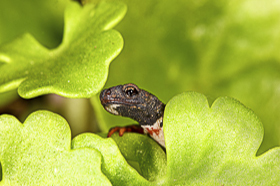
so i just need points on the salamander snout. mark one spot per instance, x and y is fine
(105, 95)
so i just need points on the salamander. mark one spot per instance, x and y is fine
(130, 101)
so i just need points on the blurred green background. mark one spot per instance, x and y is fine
(218, 48)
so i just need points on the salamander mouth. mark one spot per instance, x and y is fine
(112, 101)
(112, 108)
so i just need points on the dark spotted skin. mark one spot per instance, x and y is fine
(134, 103)
(130, 101)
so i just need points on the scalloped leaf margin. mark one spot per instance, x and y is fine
(78, 68)
(38, 152)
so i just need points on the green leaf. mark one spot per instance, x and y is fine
(146, 152)
(217, 145)
(39, 152)
(78, 67)
(205, 145)
(135, 147)
(257, 87)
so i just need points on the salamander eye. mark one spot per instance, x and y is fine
(131, 91)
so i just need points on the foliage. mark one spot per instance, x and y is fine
(38, 153)
(218, 48)
(78, 67)
(204, 146)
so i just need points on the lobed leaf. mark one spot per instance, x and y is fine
(217, 145)
(205, 145)
(78, 67)
(135, 147)
(39, 152)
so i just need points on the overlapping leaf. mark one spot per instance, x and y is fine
(217, 145)
(137, 148)
(78, 67)
(205, 145)
(38, 152)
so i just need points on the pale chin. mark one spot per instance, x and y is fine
(112, 108)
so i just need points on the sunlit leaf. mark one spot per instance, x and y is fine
(39, 152)
(78, 67)
(205, 145)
